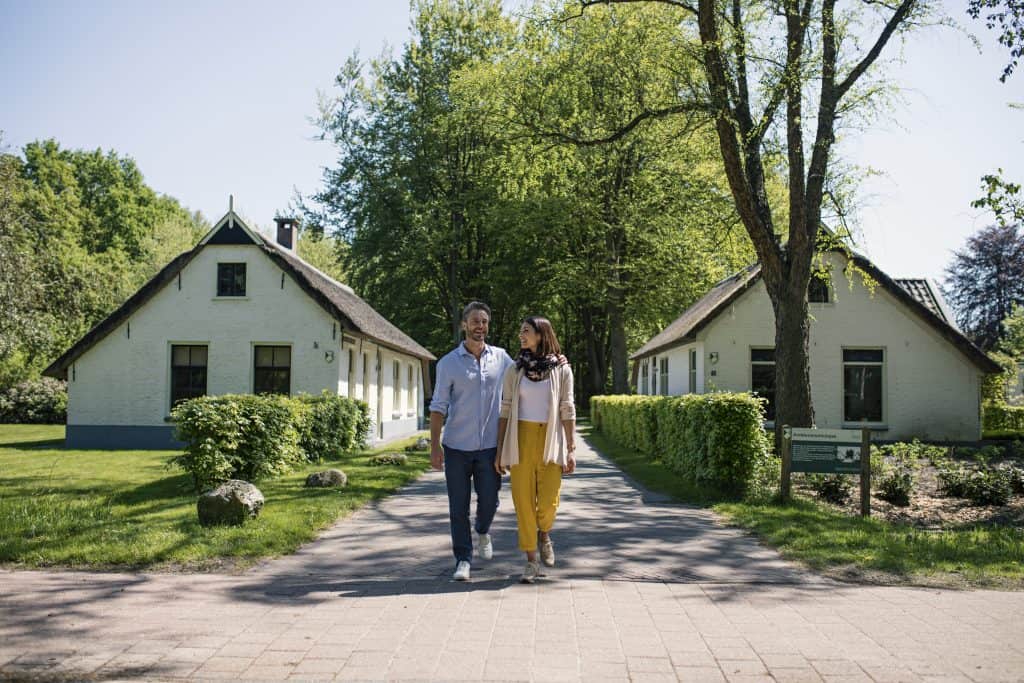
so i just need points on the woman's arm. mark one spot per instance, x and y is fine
(569, 427)
(502, 426)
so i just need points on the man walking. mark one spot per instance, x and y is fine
(467, 397)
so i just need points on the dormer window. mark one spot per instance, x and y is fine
(817, 289)
(230, 279)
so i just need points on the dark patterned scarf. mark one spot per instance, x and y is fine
(538, 368)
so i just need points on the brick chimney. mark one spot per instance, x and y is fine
(287, 232)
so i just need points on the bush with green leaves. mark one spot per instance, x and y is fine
(833, 488)
(999, 416)
(237, 437)
(899, 466)
(989, 486)
(331, 425)
(35, 401)
(765, 479)
(715, 439)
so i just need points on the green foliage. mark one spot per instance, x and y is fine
(238, 437)
(900, 473)
(79, 233)
(1003, 434)
(1000, 416)
(979, 482)
(38, 401)
(1012, 343)
(710, 439)
(331, 425)
(832, 488)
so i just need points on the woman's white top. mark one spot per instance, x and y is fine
(534, 400)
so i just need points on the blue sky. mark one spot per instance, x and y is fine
(214, 98)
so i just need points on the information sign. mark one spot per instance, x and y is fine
(829, 451)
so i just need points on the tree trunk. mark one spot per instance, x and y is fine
(593, 384)
(793, 405)
(617, 343)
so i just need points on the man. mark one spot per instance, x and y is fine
(467, 397)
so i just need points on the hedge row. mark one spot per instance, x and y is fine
(35, 401)
(252, 437)
(715, 439)
(1002, 417)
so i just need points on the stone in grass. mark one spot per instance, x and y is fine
(233, 502)
(421, 444)
(388, 459)
(327, 479)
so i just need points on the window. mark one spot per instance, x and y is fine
(351, 374)
(645, 369)
(396, 406)
(230, 279)
(817, 288)
(188, 372)
(693, 371)
(664, 376)
(654, 375)
(862, 385)
(273, 373)
(412, 394)
(762, 378)
(366, 378)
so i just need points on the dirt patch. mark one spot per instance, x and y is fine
(929, 510)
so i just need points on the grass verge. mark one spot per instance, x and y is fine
(844, 547)
(129, 509)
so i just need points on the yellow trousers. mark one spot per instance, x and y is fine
(535, 485)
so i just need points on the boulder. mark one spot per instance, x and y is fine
(233, 502)
(327, 479)
(422, 444)
(388, 459)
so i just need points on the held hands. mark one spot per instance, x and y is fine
(436, 457)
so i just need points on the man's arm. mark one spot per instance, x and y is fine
(438, 410)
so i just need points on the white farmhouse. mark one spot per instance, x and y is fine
(886, 356)
(237, 314)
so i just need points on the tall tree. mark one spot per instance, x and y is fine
(985, 282)
(779, 78)
(412, 190)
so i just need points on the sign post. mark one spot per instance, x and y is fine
(828, 451)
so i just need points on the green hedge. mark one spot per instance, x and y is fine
(252, 437)
(1002, 417)
(715, 439)
(36, 401)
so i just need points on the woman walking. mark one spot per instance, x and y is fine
(537, 437)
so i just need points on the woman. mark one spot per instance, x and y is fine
(536, 437)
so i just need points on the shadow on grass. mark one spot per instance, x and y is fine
(35, 445)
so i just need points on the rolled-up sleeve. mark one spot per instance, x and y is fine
(442, 389)
(566, 404)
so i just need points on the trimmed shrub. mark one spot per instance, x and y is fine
(900, 463)
(714, 439)
(237, 437)
(35, 401)
(331, 425)
(998, 416)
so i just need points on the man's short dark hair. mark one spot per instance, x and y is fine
(475, 306)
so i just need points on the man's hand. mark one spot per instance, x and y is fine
(436, 457)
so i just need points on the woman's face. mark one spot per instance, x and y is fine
(529, 338)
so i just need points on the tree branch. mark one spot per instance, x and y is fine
(895, 20)
(622, 132)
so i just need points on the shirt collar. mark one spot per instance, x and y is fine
(463, 351)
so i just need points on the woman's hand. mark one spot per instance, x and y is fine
(570, 465)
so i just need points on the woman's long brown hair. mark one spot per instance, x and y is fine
(548, 344)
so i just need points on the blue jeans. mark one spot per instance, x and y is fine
(460, 469)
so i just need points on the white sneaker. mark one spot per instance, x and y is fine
(530, 572)
(485, 547)
(461, 571)
(547, 552)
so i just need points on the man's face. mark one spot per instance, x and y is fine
(476, 326)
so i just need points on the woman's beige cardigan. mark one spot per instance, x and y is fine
(561, 408)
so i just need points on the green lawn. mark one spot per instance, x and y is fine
(104, 509)
(846, 547)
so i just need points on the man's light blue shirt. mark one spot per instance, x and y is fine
(468, 393)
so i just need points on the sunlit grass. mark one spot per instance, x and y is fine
(128, 508)
(847, 546)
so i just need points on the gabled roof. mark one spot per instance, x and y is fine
(929, 294)
(337, 299)
(930, 308)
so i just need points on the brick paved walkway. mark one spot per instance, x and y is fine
(643, 591)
